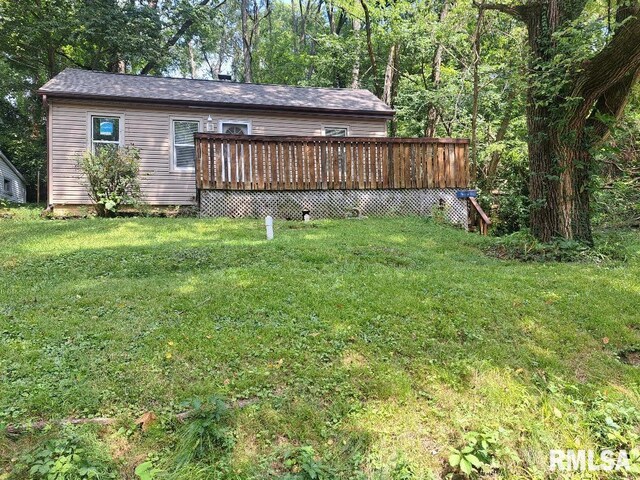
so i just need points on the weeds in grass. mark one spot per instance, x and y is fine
(525, 247)
(207, 435)
(74, 455)
(403, 470)
(367, 339)
(614, 424)
(304, 464)
(483, 452)
(147, 471)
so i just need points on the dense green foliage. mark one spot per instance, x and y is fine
(313, 42)
(367, 348)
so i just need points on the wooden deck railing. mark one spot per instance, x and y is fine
(233, 162)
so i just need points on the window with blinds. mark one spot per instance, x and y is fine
(184, 148)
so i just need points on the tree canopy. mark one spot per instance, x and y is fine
(540, 86)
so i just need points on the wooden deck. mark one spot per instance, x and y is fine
(268, 163)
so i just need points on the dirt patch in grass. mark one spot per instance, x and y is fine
(630, 357)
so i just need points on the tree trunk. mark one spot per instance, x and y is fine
(176, 36)
(370, 50)
(544, 191)
(192, 60)
(390, 75)
(391, 84)
(246, 42)
(436, 66)
(494, 162)
(355, 70)
(476, 95)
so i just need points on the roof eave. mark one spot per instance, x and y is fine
(233, 106)
(12, 167)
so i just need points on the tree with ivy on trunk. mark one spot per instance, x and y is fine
(574, 98)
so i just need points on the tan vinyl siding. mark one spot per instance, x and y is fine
(148, 128)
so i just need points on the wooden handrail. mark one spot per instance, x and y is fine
(250, 162)
(485, 221)
(297, 138)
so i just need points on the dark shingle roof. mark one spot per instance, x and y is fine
(100, 85)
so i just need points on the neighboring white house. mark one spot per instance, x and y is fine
(12, 184)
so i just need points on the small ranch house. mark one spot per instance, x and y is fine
(237, 149)
(12, 183)
(160, 116)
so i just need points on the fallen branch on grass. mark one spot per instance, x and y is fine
(143, 420)
(41, 424)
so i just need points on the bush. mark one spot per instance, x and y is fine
(112, 176)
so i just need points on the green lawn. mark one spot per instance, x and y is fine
(377, 342)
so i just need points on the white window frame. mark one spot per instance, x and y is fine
(90, 115)
(246, 123)
(172, 161)
(341, 127)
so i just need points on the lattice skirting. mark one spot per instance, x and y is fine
(333, 203)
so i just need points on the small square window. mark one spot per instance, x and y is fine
(105, 132)
(7, 186)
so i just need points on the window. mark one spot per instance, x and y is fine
(184, 147)
(335, 131)
(105, 132)
(7, 186)
(234, 128)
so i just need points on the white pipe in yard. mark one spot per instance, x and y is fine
(268, 221)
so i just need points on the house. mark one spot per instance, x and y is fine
(12, 183)
(160, 115)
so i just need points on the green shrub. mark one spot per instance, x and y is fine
(112, 176)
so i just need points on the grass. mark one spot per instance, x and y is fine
(365, 348)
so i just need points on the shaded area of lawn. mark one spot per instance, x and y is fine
(377, 341)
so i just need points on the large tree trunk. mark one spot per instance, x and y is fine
(559, 164)
(563, 132)
(543, 185)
